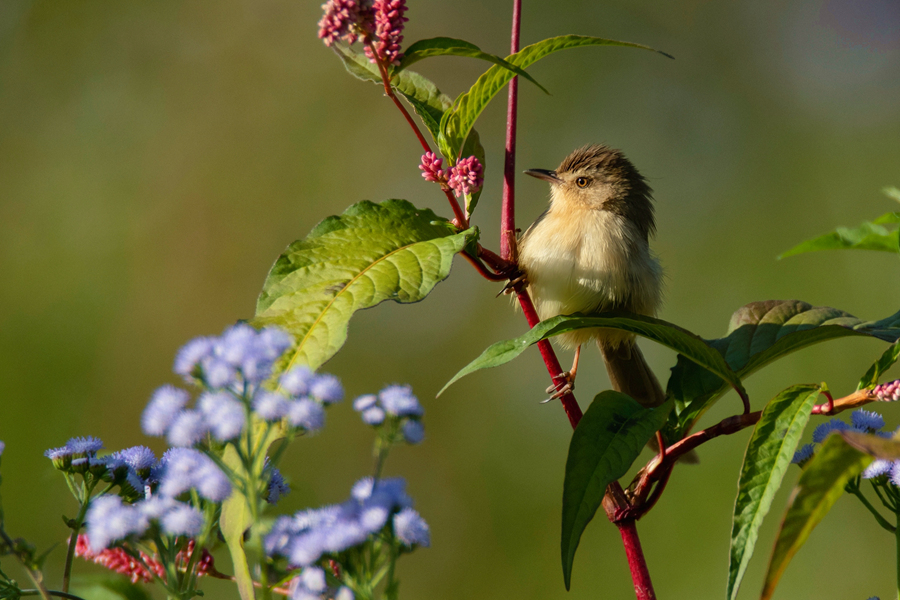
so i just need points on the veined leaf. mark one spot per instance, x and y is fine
(608, 439)
(821, 484)
(662, 332)
(460, 119)
(369, 254)
(769, 453)
(425, 98)
(443, 46)
(868, 236)
(879, 367)
(760, 333)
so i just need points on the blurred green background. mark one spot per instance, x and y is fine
(155, 159)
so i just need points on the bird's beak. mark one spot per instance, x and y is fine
(544, 174)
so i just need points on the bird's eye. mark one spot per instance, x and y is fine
(581, 182)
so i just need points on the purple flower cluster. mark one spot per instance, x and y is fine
(888, 392)
(233, 368)
(862, 421)
(157, 486)
(311, 534)
(466, 177)
(389, 22)
(311, 584)
(397, 405)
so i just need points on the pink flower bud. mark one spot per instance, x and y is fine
(431, 169)
(346, 20)
(888, 392)
(466, 177)
(389, 22)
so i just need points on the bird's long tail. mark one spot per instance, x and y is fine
(630, 374)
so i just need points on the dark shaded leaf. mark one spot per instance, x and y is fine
(760, 333)
(662, 332)
(769, 453)
(369, 254)
(821, 484)
(608, 439)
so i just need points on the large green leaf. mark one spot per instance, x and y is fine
(821, 484)
(444, 46)
(460, 119)
(369, 254)
(425, 98)
(878, 368)
(760, 333)
(868, 236)
(663, 332)
(608, 439)
(769, 453)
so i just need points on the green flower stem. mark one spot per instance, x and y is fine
(51, 593)
(35, 577)
(854, 489)
(85, 501)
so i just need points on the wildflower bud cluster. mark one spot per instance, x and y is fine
(465, 177)
(395, 412)
(378, 24)
(888, 392)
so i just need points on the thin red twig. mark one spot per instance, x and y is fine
(508, 214)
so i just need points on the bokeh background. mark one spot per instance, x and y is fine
(155, 159)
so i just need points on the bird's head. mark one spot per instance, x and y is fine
(601, 178)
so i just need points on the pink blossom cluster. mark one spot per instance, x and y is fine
(389, 22)
(888, 392)
(466, 177)
(432, 169)
(347, 20)
(118, 560)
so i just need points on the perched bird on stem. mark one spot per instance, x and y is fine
(590, 252)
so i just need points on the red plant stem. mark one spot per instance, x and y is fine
(508, 210)
(479, 266)
(461, 221)
(643, 589)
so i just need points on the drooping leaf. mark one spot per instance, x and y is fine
(460, 119)
(369, 254)
(868, 236)
(608, 439)
(443, 46)
(878, 368)
(769, 453)
(821, 484)
(425, 98)
(662, 332)
(760, 333)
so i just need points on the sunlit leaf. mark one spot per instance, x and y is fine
(460, 119)
(662, 332)
(820, 485)
(369, 254)
(608, 439)
(769, 453)
(878, 368)
(868, 236)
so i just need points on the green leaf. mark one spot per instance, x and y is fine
(108, 587)
(460, 119)
(369, 254)
(234, 520)
(888, 218)
(820, 485)
(662, 332)
(873, 445)
(443, 46)
(891, 192)
(768, 456)
(608, 439)
(760, 333)
(879, 367)
(868, 236)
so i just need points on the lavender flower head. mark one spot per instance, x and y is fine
(466, 177)
(803, 454)
(389, 22)
(2, 447)
(432, 169)
(399, 401)
(108, 520)
(411, 529)
(183, 520)
(163, 409)
(822, 431)
(866, 421)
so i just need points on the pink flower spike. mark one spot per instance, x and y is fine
(466, 177)
(389, 22)
(431, 169)
(344, 20)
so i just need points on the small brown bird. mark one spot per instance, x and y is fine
(590, 252)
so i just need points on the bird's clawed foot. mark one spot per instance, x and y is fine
(565, 384)
(516, 279)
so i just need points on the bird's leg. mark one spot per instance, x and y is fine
(517, 279)
(566, 383)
